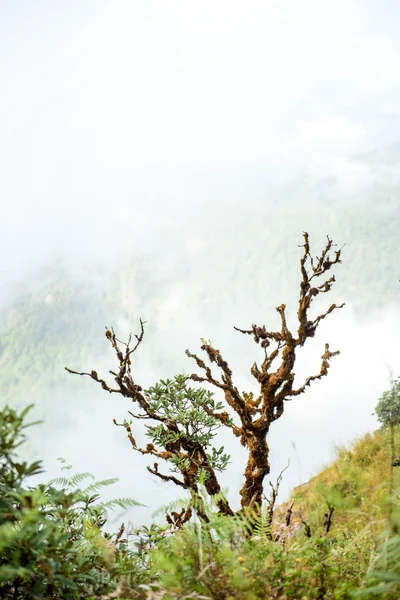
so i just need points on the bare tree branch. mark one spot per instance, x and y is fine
(289, 513)
(177, 520)
(328, 519)
(165, 478)
(272, 499)
(324, 371)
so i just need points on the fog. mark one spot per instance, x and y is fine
(131, 129)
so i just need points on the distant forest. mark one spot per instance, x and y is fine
(249, 255)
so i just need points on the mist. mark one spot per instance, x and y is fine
(170, 137)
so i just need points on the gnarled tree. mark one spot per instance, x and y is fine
(185, 420)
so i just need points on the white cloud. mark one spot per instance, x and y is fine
(334, 133)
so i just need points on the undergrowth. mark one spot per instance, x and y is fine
(337, 538)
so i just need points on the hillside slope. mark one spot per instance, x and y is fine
(356, 485)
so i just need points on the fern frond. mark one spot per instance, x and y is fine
(73, 481)
(123, 503)
(64, 481)
(97, 485)
(175, 505)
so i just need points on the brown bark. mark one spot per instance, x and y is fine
(257, 468)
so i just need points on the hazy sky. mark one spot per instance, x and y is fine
(117, 117)
(109, 108)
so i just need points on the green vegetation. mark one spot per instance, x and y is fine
(357, 485)
(52, 544)
(388, 408)
(41, 331)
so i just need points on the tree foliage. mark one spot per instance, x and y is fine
(387, 409)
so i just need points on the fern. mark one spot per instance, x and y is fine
(74, 481)
(123, 503)
(98, 485)
(89, 496)
(384, 580)
(209, 504)
(175, 505)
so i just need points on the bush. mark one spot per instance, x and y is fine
(51, 543)
(220, 562)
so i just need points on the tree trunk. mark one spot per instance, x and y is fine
(256, 469)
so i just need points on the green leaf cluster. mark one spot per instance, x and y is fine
(192, 410)
(387, 410)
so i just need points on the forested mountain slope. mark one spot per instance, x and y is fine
(245, 262)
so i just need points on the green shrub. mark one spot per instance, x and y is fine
(219, 561)
(51, 543)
